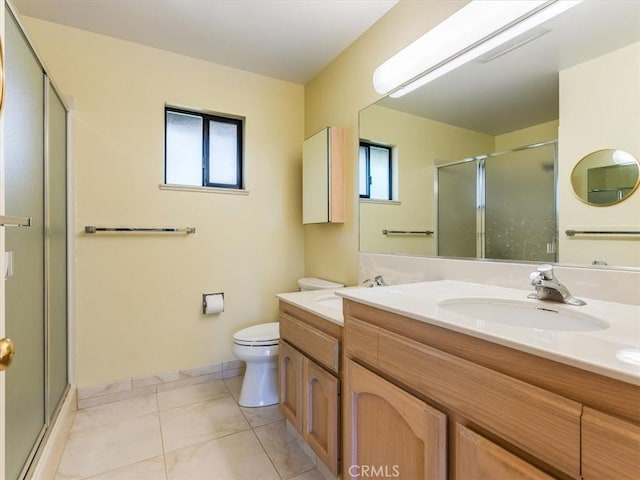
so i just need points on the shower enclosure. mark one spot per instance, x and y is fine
(499, 205)
(34, 309)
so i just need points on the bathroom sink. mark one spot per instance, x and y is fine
(331, 301)
(557, 317)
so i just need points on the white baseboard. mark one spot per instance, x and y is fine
(46, 464)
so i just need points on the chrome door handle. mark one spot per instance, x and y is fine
(6, 221)
(7, 350)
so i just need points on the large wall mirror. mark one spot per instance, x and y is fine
(480, 160)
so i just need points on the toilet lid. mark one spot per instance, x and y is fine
(265, 332)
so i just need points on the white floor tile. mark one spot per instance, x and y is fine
(262, 415)
(192, 394)
(234, 457)
(113, 412)
(198, 422)
(190, 433)
(283, 450)
(234, 384)
(152, 469)
(310, 475)
(96, 450)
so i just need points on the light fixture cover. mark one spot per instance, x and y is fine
(478, 27)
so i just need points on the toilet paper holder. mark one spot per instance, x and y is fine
(212, 303)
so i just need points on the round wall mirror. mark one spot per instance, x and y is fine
(605, 177)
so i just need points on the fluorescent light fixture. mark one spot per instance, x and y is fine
(472, 31)
(620, 157)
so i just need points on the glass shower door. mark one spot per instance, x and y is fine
(25, 289)
(520, 205)
(56, 252)
(457, 209)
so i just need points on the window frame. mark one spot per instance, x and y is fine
(389, 149)
(206, 163)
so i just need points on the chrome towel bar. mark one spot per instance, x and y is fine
(7, 221)
(407, 232)
(573, 233)
(94, 229)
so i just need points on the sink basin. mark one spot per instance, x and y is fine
(524, 314)
(331, 301)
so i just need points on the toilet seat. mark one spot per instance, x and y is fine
(263, 335)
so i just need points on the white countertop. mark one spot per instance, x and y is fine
(309, 301)
(595, 351)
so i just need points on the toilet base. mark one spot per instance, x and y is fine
(259, 385)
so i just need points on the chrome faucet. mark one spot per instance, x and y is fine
(549, 288)
(377, 281)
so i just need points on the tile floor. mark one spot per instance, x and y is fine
(189, 433)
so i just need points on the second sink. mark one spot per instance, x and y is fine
(331, 301)
(523, 314)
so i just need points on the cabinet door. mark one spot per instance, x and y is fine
(477, 459)
(290, 383)
(320, 419)
(323, 177)
(610, 447)
(388, 432)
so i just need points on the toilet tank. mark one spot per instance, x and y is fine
(312, 283)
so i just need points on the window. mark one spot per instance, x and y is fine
(375, 171)
(202, 149)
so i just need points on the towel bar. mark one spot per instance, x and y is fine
(94, 229)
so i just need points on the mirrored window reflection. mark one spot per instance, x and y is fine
(375, 172)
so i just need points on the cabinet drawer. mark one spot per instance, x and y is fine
(361, 341)
(535, 420)
(323, 348)
(610, 447)
(478, 458)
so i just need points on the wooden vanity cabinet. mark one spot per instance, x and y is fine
(309, 380)
(478, 458)
(508, 414)
(290, 383)
(610, 447)
(390, 433)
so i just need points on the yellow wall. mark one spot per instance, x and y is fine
(527, 136)
(599, 108)
(420, 143)
(139, 298)
(334, 97)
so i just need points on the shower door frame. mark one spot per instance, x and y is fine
(43, 450)
(481, 198)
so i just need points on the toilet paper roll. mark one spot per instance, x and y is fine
(213, 303)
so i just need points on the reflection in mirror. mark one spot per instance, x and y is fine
(605, 177)
(556, 89)
(500, 206)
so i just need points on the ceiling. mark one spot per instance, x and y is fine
(291, 40)
(521, 87)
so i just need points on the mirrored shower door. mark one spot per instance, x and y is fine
(35, 307)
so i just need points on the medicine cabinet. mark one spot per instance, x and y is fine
(323, 177)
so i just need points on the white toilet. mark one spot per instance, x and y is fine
(257, 346)
(312, 283)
